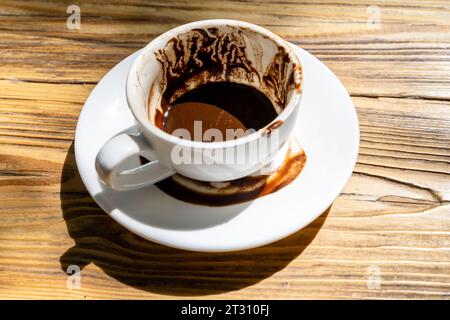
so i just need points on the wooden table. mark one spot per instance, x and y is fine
(386, 236)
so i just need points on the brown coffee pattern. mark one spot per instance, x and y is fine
(202, 55)
(194, 58)
(275, 76)
(274, 125)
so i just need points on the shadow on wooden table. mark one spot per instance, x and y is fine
(151, 267)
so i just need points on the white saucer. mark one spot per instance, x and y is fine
(327, 129)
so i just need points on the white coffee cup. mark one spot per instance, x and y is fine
(274, 69)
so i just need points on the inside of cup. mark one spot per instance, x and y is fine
(223, 53)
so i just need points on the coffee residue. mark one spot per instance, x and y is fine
(274, 125)
(200, 56)
(231, 106)
(275, 76)
(187, 115)
(286, 173)
(236, 191)
(225, 54)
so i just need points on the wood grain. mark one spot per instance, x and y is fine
(393, 216)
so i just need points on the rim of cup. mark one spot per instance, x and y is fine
(132, 79)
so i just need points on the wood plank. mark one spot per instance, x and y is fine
(394, 214)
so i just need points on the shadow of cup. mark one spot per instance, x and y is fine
(151, 267)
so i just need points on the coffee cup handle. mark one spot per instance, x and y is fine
(121, 148)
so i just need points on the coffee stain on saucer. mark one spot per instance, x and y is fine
(245, 189)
